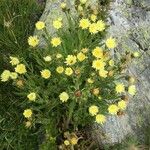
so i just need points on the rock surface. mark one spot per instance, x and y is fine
(130, 20)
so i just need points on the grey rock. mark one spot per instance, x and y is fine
(130, 25)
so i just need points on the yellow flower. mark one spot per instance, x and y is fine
(93, 17)
(132, 90)
(113, 109)
(136, 54)
(111, 43)
(98, 64)
(74, 141)
(100, 25)
(33, 41)
(57, 24)
(93, 28)
(89, 80)
(120, 88)
(55, 41)
(98, 52)
(45, 73)
(80, 8)
(111, 63)
(68, 71)
(63, 5)
(47, 58)
(84, 50)
(81, 56)
(64, 97)
(100, 119)
(83, 1)
(14, 61)
(32, 96)
(58, 56)
(27, 113)
(13, 75)
(93, 110)
(71, 60)
(40, 25)
(84, 23)
(103, 73)
(5, 75)
(60, 69)
(122, 105)
(21, 69)
(66, 142)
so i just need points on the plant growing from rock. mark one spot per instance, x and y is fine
(73, 81)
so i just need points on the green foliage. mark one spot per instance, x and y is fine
(16, 24)
(60, 118)
(17, 20)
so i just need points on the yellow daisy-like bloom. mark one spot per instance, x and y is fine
(64, 97)
(98, 64)
(100, 119)
(81, 56)
(63, 5)
(111, 63)
(84, 23)
(80, 8)
(57, 24)
(27, 113)
(122, 105)
(93, 28)
(84, 50)
(5, 75)
(111, 43)
(56, 41)
(40, 25)
(46, 73)
(32, 96)
(33, 41)
(93, 17)
(113, 109)
(60, 69)
(71, 60)
(74, 141)
(120, 88)
(47, 58)
(100, 25)
(13, 75)
(83, 1)
(93, 110)
(98, 52)
(58, 56)
(89, 80)
(14, 61)
(21, 69)
(132, 90)
(66, 142)
(136, 54)
(68, 71)
(103, 73)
